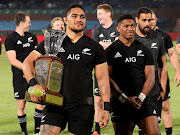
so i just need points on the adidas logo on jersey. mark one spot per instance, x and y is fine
(154, 112)
(112, 34)
(61, 49)
(19, 42)
(117, 55)
(153, 45)
(101, 35)
(139, 53)
(86, 51)
(30, 39)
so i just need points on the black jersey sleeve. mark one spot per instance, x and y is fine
(35, 41)
(168, 42)
(100, 55)
(95, 34)
(110, 54)
(178, 39)
(149, 60)
(162, 50)
(9, 43)
(40, 48)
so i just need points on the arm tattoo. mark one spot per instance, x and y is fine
(100, 90)
(47, 130)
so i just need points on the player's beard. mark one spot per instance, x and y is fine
(76, 30)
(143, 31)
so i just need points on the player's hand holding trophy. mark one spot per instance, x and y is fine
(49, 70)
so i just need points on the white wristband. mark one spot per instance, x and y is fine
(123, 98)
(141, 96)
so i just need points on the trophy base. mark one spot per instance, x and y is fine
(49, 98)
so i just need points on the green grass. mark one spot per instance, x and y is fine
(8, 115)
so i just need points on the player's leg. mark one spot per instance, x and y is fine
(38, 113)
(167, 116)
(80, 119)
(21, 113)
(53, 120)
(139, 130)
(98, 108)
(50, 130)
(122, 128)
(150, 126)
(166, 111)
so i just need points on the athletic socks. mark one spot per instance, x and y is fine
(141, 132)
(37, 118)
(22, 121)
(168, 131)
(97, 127)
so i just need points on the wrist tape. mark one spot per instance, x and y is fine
(33, 82)
(123, 97)
(107, 106)
(141, 96)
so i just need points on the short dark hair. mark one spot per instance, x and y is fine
(125, 16)
(141, 10)
(20, 16)
(76, 5)
(107, 8)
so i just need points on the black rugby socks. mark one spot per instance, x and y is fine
(168, 131)
(22, 121)
(97, 127)
(37, 118)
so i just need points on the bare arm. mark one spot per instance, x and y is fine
(11, 54)
(163, 78)
(175, 63)
(102, 76)
(101, 72)
(28, 65)
(178, 48)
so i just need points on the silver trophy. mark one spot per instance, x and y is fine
(49, 68)
(53, 41)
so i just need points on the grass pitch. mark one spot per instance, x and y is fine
(8, 111)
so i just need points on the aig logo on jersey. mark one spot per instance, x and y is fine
(26, 45)
(73, 57)
(130, 59)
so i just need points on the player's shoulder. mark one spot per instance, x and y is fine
(29, 34)
(97, 28)
(140, 45)
(12, 36)
(89, 40)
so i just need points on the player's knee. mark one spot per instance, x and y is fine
(165, 107)
(154, 132)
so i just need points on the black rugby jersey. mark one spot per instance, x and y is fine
(155, 43)
(23, 45)
(106, 35)
(79, 60)
(128, 64)
(167, 40)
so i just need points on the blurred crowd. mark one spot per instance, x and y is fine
(91, 4)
